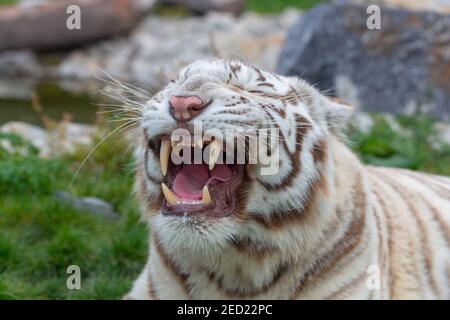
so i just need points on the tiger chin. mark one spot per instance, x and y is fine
(323, 226)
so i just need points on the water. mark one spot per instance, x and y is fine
(55, 102)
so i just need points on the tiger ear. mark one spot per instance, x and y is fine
(337, 113)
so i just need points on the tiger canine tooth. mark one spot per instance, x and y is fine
(171, 198)
(164, 154)
(206, 197)
(214, 152)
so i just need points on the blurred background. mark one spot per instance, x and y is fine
(66, 170)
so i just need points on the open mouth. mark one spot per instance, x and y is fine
(198, 179)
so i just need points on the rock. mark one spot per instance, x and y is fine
(363, 122)
(91, 204)
(203, 6)
(17, 89)
(157, 48)
(68, 136)
(43, 26)
(31, 3)
(154, 51)
(443, 130)
(22, 63)
(65, 138)
(402, 67)
(19, 71)
(35, 135)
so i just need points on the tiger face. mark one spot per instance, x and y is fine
(282, 124)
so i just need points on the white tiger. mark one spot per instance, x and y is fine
(324, 227)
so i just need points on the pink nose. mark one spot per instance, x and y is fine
(185, 108)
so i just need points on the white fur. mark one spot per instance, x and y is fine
(195, 244)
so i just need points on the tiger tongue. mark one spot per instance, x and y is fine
(191, 179)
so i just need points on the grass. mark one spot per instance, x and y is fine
(275, 6)
(40, 237)
(7, 2)
(414, 145)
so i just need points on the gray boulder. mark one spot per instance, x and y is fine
(21, 63)
(64, 138)
(42, 25)
(90, 204)
(157, 49)
(401, 67)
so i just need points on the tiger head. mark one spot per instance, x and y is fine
(281, 123)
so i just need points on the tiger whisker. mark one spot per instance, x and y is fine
(91, 152)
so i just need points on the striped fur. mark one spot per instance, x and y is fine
(313, 230)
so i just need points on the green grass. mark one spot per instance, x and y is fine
(416, 147)
(7, 2)
(275, 6)
(40, 237)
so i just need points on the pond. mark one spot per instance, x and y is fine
(55, 102)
